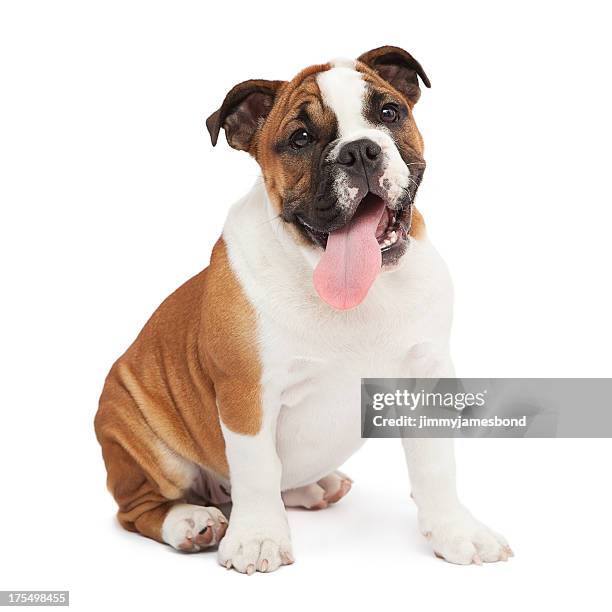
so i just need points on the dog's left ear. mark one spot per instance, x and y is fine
(398, 68)
(243, 112)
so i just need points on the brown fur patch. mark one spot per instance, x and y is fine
(410, 136)
(302, 91)
(417, 227)
(158, 421)
(231, 351)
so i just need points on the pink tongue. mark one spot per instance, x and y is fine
(352, 259)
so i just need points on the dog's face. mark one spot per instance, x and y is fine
(339, 150)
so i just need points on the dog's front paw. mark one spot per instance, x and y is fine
(459, 538)
(248, 547)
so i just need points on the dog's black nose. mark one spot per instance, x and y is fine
(360, 152)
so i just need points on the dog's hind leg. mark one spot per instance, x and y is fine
(163, 517)
(329, 490)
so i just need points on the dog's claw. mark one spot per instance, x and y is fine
(287, 559)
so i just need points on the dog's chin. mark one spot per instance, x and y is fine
(392, 233)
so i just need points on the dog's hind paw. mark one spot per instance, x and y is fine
(329, 490)
(336, 486)
(191, 528)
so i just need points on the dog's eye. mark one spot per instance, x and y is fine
(389, 113)
(300, 139)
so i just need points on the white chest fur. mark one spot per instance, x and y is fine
(314, 357)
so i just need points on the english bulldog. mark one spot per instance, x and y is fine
(244, 385)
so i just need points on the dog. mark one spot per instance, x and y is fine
(244, 385)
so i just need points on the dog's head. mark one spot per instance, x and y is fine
(341, 157)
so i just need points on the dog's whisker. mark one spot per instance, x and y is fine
(409, 192)
(270, 220)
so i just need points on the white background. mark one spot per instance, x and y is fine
(111, 196)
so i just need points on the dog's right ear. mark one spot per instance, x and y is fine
(243, 112)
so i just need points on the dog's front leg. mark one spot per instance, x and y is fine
(454, 533)
(258, 537)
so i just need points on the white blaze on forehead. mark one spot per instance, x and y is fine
(343, 91)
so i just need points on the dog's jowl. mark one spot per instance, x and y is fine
(245, 382)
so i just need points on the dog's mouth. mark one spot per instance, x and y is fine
(391, 231)
(393, 226)
(354, 254)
